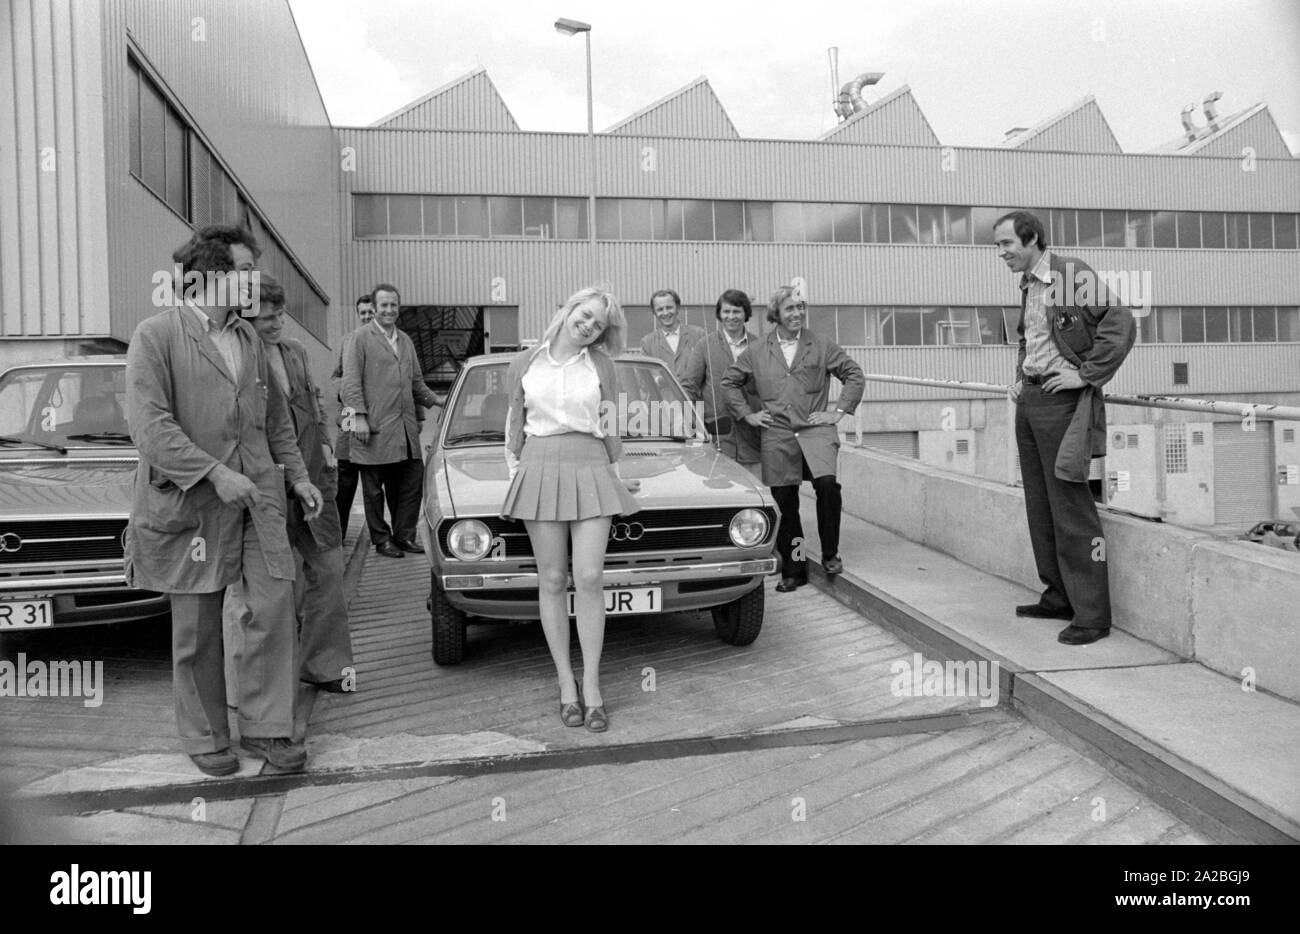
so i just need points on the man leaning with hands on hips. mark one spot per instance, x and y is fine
(1068, 351)
(209, 507)
(790, 372)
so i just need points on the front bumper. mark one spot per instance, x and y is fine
(84, 596)
(618, 577)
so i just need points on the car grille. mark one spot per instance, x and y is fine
(70, 540)
(661, 530)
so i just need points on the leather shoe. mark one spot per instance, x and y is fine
(1038, 611)
(222, 762)
(790, 583)
(389, 550)
(409, 546)
(833, 566)
(279, 752)
(329, 687)
(1080, 635)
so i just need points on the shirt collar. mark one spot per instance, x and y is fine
(546, 349)
(380, 328)
(744, 338)
(205, 319)
(674, 332)
(1042, 271)
(794, 340)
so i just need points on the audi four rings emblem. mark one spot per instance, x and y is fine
(10, 541)
(626, 531)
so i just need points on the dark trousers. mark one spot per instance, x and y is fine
(400, 484)
(1064, 529)
(348, 475)
(789, 532)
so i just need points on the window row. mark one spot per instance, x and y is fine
(182, 171)
(1221, 325)
(511, 217)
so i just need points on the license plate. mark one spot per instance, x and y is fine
(26, 614)
(638, 600)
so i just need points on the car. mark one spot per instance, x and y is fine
(67, 470)
(703, 538)
(1278, 533)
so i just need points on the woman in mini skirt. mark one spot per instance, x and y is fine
(563, 478)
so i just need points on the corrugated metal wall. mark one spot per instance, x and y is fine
(898, 121)
(53, 223)
(470, 103)
(1259, 132)
(239, 73)
(693, 111)
(1084, 130)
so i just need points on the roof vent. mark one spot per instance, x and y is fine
(1013, 131)
(850, 100)
(1188, 126)
(1211, 112)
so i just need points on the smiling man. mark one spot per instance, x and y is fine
(1068, 352)
(701, 377)
(671, 340)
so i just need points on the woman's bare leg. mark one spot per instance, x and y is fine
(550, 549)
(590, 537)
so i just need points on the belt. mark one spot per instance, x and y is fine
(1033, 379)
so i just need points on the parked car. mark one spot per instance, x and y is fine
(703, 539)
(67, 466)
(1277, 533)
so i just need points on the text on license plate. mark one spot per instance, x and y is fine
(636, 600)
(26, 614)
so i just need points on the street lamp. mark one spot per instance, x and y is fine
(571, 27)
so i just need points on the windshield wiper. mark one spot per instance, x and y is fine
(488, 435)
(103, 437)
(40, 444)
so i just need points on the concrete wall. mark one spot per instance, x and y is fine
(1225, 604)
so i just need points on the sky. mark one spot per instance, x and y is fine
(976, 68)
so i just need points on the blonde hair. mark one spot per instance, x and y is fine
(613, 339)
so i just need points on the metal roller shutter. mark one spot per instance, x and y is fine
(902, 443)
(1243, 476)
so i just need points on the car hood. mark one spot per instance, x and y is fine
(71, 486)
(473, 481)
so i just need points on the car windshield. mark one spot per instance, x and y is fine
(63, 405)
(650, 405)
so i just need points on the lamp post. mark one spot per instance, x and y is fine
(571, 27)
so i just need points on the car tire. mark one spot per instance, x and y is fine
(739, 622)
(448, 625)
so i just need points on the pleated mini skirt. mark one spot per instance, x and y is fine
(562, 478)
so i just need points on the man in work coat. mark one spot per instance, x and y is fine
(382, 384)
(702, 378)
(209, 506)
(671, 340)
(1073, 338)
(347, 471)
(790, 372)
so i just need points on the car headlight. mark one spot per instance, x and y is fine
(748, 527)
(469, 540)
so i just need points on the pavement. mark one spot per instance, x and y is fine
(805, 736)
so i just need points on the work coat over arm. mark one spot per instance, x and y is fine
(311, 426)
(385, 387)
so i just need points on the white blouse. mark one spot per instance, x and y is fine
(559, 397)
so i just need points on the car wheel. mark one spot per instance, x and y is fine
(738, 622)
(448, 625)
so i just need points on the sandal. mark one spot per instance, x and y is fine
(596, 721)
(572, 714)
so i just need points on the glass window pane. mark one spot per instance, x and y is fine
(907, 326)
(1162, 227)
(1261, 231)
(728, 220)
(177, 171)
(1238, 233)
(930, 223)
(638, 218)
(964, 326)
(817, 223)
(992, 327)
(875, 223)
(758, 221)
(1011, 319)
(607, 218)
(847, 219)
(1189, 230)
(1112, 228)
(1193, 323)
(1284, 231)
(571, 218)
(935, 326)
(471, 217)
(1148, 327)
(404, 216)
(959, 226)
(698, 219)
(152, 119)
(507, 217)
(439, 216)
(133, 101)
(1171, 331)
(787, 221)
(539, 218)
(1216, 325)
(852, 326)
(1239, 325)
(886, 333)
(1265, 323)
(902, 223)
(1137, 233)
(369, 215)
(673, 219)
(1288, 323)
(982, 224)
(1212, 230)
(1089, 228)
(1064, 230)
